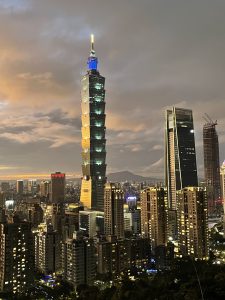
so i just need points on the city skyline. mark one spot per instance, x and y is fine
(178, 62)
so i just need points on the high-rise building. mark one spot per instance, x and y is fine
(113, 210)
(118, 256)
(19, 187)
(181, 168)
(132, 221)
(47, 249)
(212, 162)
(44, 188)
(16, 256)
(32, 186)
(57, 187)
(193, 222)
(79, 260)
(154, 215)
(93, 136)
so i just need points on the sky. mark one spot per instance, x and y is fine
(154, 54)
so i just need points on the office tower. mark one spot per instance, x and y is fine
(113, 210)
(131, 202)
(79, 260)
(47, 249)
(57, 218)
(19, 187)
(32, 186)
(181, 169)
(88, 222)
(211, 162)
(93, 136)
(72, 219)
(16, 256)
(193, 222)
(57, 187)
(5, 187)
(154, 215)
(132, 220)
(44, 188)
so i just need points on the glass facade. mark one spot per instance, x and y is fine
(181, 168)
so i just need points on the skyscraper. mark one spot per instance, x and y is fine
(193, 222)
(57, 187)
(113, 209)
(19, 187)
(44, 188)
(181, 169)
(211, 162)
(154, 215)
(47, 249)
(16, 256)
(93, 135)
(79, 260)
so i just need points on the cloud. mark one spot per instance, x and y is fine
(173, 54)
(157, 147)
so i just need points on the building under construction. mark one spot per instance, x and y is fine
(212, 164)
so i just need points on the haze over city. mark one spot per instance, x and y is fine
(174, 57)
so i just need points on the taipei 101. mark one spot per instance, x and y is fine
(112, 150)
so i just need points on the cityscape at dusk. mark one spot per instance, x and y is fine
(112, 149)
(155, 54)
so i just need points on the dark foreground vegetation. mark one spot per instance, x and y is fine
(187, 280)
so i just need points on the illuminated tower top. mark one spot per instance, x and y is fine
(92, 59)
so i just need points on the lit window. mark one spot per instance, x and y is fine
(98, 86)
(98, 112)
(98, 99)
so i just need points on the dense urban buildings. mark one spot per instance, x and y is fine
(110, 230)
(113, 210)
(212, 163)
(93, 135)
(193, 222)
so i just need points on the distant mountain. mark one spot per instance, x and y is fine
(129, 176)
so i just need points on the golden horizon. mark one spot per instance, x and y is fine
(34, 176)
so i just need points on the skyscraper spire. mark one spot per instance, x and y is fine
(92, 59)
(92, 53)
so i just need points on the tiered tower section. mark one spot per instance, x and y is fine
(93, 135)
